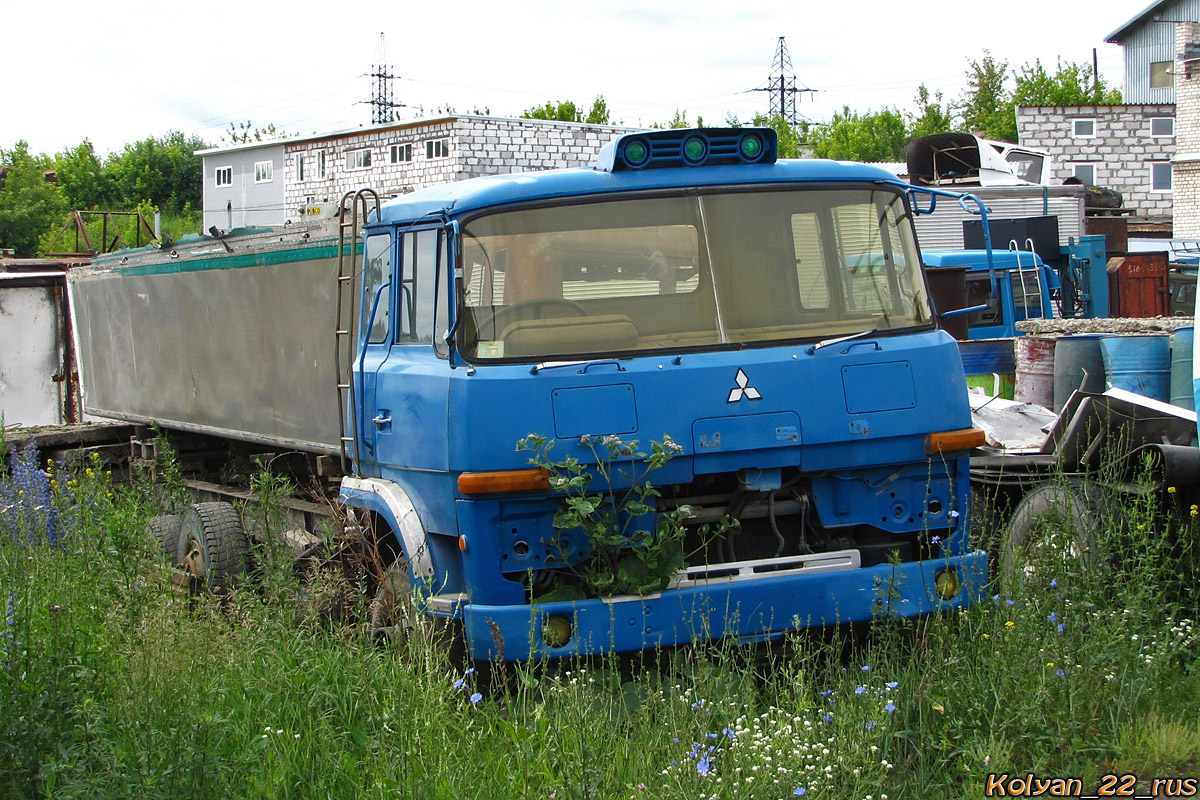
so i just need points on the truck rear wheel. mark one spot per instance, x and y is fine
(166, 531)
(214, 546)
(1055, 522)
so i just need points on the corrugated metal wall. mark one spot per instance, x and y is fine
(943, 229)
(1152, 42)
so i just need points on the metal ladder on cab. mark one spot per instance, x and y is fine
(1032, 271)
(354, 210)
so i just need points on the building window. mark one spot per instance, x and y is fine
(224, 176)
(1086, 173)
(437, 148)
(1162, 126)
(1160, 176)
(300, 167)
(358, 159)
(264, 171)
(1162, 74)
(320, 165)
(1084, 127)
(400, 153)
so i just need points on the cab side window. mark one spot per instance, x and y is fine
(377, 271)
(422, 291)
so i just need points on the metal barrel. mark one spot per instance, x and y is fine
(1035, 371)
(1181, 369)
(1078, 365)
(1139, 364)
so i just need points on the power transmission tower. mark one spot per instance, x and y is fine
(782, 85)
(381, 88)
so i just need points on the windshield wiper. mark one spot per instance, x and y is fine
(839, 339)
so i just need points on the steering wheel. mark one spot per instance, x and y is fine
(533, 309)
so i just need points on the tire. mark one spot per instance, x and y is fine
(214, 546)
(392, 612)
(1059, 521)
(166, 531)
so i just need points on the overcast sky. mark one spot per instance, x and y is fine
(117, 72)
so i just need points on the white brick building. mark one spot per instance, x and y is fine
(309, 172)
(1186, 163)
(1127, 148)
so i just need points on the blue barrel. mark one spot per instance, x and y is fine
(1181, 369)
(1138, 364)
(1078, 365)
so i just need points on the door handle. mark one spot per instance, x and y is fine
(380, 420)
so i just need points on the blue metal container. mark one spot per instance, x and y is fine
(1181, 369)
(1139, 364)
(1078, 365)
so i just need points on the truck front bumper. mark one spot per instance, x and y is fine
(763, 607)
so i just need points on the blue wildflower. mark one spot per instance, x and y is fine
(1059, 672)
(860, 690)
(458, 684)
(1011, 602)
(1054, 581)
(729, 732)
(890, 707)
(1061, 627)
(936, 539)
(710, 736)
(870, 725)
(703, 766)
(893, 684)
(475, 698)
(799, 791)
(1053, 617)
(866, 668)
(827, 719)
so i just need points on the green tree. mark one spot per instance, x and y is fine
(850, 136)
(1070, 85)
(84, 182)
(931, 117)
(30, 202)
(987, 106)
(567, 111)
(788, 136)
(165, 171)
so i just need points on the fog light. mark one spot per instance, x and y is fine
(752, 147)
(557, 631)
(946, 583)
(637, 153)
(695, 150)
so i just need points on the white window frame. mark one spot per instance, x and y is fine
(437, 148)
(395, 152)
(358, 159)
(1170, 120)
(320, 166)
(298, 160)
(1089, 165)
(264, 171)
(1155, 166)
(1075, 128)
(228, 172)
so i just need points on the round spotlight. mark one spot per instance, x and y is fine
(946, 583)
(637, 153)
(557, 630)
(694, 150)
(751, 147)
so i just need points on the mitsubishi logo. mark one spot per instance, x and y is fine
(743, 389)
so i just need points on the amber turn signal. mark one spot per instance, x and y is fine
(515, 480)
(949, 441)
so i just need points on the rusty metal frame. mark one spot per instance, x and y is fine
(77, 221)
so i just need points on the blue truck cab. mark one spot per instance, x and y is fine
(767, 318)
(1004, 287)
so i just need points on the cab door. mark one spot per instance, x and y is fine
(406, 369)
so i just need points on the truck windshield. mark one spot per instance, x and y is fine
(720, 269)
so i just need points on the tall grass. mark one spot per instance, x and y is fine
(112, 684)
